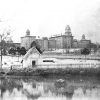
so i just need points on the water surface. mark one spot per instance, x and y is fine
(50, 88)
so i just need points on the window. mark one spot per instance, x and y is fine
(33, 63)
(48, 61)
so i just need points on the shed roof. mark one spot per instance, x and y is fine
(31, 51)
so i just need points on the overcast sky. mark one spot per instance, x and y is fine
(49, 17)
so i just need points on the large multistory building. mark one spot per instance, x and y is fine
(62, 41)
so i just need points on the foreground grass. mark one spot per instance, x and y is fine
(53, 71)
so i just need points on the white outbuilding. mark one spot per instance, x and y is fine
(31, 57)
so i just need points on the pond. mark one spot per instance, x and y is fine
(50, 88)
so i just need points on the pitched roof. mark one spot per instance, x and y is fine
(31, 51)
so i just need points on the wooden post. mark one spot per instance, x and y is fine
(1, 52)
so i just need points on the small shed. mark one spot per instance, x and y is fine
(31, 57)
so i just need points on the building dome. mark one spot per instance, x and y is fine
(83, 37)
(27, 32)
(68, 30)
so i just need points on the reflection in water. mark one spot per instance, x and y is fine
(58, 88)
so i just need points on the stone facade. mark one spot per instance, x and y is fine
(75, 44)
(45, 43)
(84, 43)
(51, 44)
(27, 40)
(40, 42)
(62, 41)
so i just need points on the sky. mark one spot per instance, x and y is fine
(50, 17)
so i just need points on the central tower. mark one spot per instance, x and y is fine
(68, 31)
(68, 38)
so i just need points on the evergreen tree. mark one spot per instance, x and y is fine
(18, 50)
(22, 51)
(12, 51)
(85, 51)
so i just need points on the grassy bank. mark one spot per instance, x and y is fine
(54, 71)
